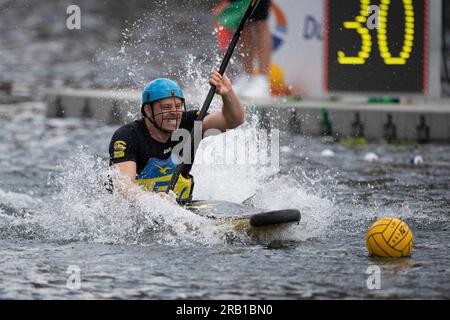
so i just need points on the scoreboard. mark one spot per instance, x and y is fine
(378, 46)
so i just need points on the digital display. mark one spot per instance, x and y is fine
(376, 46)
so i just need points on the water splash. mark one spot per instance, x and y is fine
(83, 210)
(246, 178)
(87, 211)
(152, 46)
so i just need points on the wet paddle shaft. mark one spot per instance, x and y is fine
(182, 166)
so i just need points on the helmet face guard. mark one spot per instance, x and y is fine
(161, 89)
(166, 113)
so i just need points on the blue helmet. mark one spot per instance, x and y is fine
(159, 89)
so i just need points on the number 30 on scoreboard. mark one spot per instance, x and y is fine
(376, 46)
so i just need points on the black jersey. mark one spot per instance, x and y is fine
(133, 142)
(154, 165)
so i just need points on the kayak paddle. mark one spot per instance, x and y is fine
(226, 59)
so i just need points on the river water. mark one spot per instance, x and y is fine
(57, 220)
(56, 217)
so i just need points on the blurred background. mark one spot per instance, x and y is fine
(119, 42)
(123, 44)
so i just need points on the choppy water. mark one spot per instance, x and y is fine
(55, 216)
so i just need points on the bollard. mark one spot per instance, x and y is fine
(114, 114)
(357, 127)
(294, 125)
(86, 112)
(327, 129)
(59, 109)
(389, 129)
(6, 87)
(423, 131)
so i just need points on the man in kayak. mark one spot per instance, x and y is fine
(140, 151)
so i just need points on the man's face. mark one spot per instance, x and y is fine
(167, 113)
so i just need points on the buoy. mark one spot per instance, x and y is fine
(327, 153)
(371, 157)
(416, 160)
(389, 237)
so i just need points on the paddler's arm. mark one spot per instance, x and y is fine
(124, 178)
(232, 113)
(124, 181)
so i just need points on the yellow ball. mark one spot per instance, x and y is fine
(389, 237)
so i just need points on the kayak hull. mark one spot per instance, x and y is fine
(253, 221)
